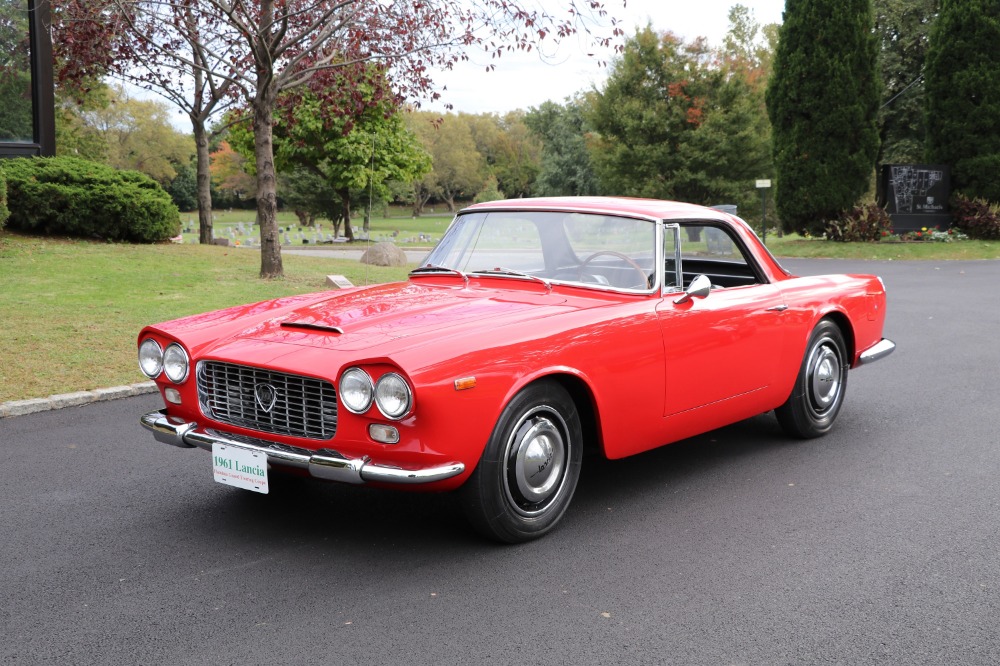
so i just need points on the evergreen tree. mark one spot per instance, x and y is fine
(823, 103)
(903, 27)
(963, 95)
(565, 168)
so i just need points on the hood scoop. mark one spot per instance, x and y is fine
(308, 326)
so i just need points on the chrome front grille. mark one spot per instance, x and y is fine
(268, 401)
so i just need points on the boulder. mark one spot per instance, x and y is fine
(384, 254)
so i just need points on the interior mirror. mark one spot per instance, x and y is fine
(701, 286)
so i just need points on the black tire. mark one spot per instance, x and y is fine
(820, 385)
(538, 433)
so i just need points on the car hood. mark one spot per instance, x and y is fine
(409, 312)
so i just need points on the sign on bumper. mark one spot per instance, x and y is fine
(239, 467)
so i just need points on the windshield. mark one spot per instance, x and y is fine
(583, 248)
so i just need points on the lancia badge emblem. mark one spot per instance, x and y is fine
(266, 396)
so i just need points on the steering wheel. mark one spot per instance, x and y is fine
(618, 255)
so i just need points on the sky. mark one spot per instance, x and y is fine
(522, 81)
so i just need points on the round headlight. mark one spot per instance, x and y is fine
(175, 363)
(393, 396)
(150, 358)
(356, 390)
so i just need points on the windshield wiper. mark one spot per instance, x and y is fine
(510, 272)
(432, 269)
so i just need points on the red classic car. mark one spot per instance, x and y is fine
(536, 330)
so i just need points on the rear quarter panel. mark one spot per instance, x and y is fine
(856, 302)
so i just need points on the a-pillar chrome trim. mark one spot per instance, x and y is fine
(323, 464)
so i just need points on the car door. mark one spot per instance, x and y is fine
(721, 346)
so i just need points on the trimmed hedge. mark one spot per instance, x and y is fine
(4, 211)
(74, 197)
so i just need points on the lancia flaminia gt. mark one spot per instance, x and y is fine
(536, 330)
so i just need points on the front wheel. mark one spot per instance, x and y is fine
(820, 385)
(528, 471)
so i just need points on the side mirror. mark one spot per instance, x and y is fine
(701, 286)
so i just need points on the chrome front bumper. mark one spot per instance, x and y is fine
(877, 351)
(323, 464)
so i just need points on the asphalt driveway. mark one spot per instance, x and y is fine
(876, 544)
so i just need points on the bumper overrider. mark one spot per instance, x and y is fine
(877, 351)
(323, 464)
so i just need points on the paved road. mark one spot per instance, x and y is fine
(878, 544)
(353, 252)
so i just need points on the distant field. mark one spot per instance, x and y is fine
(400, 227)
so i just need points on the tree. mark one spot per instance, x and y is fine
(652, 101)
(823, 103)
(565, 168)
(903, 27)
(183, 189)
(354, 154)
(171, 48)
(74, 137)
(963, 95)
(139, 136)
(458, 169)
(261, 49)
(106, 125)
(678, 120)
(511, 153)
(229, 173)
(356, 157)
(307, 194)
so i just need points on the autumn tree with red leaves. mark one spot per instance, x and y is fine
(218, 51)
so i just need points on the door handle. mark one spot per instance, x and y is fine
(778, 308)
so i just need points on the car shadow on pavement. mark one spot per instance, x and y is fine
(305, 510)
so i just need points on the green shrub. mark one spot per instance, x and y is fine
(74, 197)
(860, 224)
(977, 218)
(4, 211)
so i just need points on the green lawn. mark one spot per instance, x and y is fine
(796, 246)
(72, 309)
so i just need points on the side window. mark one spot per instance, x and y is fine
(672, 278)
(709, 249)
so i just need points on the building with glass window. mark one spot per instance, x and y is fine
(27, 107)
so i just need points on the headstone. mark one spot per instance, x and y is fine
(338, 282)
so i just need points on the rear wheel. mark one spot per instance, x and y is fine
(529, 469)
(820, 385)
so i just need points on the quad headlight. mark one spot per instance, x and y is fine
(150, 358)
(154, 361)
(393, 396)
(356, 390)
(175, 363)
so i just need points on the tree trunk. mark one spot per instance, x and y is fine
(204, 182)
(420, 199)
(267, 188)
(345, 198)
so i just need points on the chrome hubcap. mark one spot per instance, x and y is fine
(824, 376)
(535, 461)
